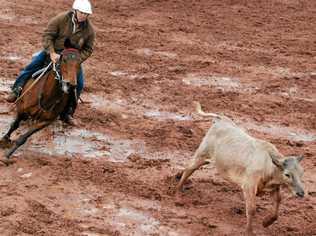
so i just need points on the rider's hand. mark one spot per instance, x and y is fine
(54, 57)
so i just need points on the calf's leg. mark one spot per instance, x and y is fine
(200, 157)
(250, 198)
(276, 195)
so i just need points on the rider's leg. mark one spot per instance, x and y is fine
(37, 63)
(80, 81)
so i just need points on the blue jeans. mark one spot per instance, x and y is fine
(37, 63)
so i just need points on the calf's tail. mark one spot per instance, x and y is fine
(208, 114)
(202, 113)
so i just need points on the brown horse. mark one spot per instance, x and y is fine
(45, 100)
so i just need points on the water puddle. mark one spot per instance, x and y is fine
(220, 82)
(296, 96)
(56, 140)
(118, 73)
(78, 205)
(5, 121)
(133, 216)
(286, 72)
(5, 84)
(102, 103)
(6, 17)
(86, 144)
(122, 106)
(166, 115)
(144, 223)
(136, 217)
(144, 76)
(295, 93)
(13, 57)
(124, 74)
(147, 52)
(4, 110)
(85, 233)
(6, 14)
(284, 132)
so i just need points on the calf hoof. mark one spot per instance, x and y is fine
(269, 220)
(179, 189)
(179, 175)
(249, 233)
(182, 188)
(5, 143)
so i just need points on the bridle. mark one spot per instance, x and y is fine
(63, 85)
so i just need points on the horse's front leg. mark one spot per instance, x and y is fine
(22, 139)
(5, 142)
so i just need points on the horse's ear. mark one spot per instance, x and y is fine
(67, 43)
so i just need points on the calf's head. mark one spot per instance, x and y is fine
(291, 173)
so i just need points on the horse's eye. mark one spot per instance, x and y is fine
(287, 175)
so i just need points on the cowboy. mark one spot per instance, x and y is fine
(76, 26)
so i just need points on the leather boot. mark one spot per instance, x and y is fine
(68, 119)
(67, 116)
(13, 95)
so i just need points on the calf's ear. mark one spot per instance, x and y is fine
(276, 160)
(299, 158)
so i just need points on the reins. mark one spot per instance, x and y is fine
(56, 99)
(42, 72)
(34, 82)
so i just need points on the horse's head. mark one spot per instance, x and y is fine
(70, 63)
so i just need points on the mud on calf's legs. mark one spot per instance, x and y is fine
(199, 159)
(250, 198)
(277, 199)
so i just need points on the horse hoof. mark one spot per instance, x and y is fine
(7, 161)
(5, 143)
(3, 159)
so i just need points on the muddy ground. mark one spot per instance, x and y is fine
(114, 174)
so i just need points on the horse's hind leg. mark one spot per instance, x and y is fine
(5, 141)
(22, 139)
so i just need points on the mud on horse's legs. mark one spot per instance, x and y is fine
(22, 139)
(5, 142)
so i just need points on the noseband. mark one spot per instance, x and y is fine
(57, 68)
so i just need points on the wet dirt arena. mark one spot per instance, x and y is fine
(254, 61)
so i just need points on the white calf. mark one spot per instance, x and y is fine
(254, 164)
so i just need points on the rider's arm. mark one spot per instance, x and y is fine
(87, 48)
(51, 32)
